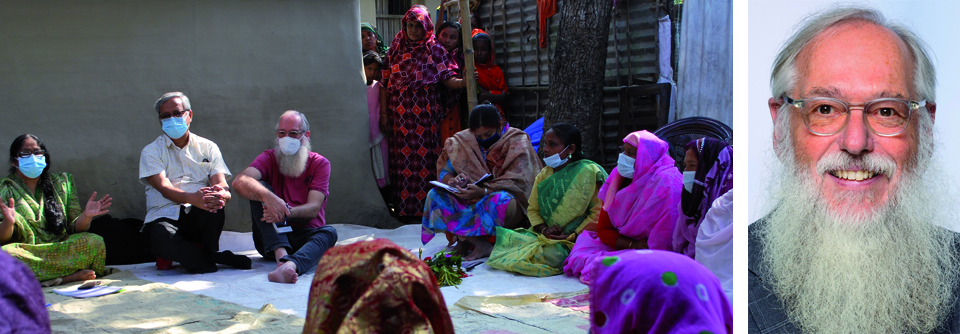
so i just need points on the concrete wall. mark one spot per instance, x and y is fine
(84, 77)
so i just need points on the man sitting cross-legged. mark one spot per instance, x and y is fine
(289, 183)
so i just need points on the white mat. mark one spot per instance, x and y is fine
(250, 287)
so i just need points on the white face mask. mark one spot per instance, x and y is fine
(554, 161)
(625, 166)
(289, 146)
(688, 178)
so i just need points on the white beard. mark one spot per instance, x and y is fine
(888, 270)
(293, 165)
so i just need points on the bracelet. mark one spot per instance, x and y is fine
(484, 191)
(631, 244)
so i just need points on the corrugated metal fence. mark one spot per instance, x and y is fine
(631, 58)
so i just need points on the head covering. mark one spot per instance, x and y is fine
(714, 177)
(649, 291)
(648, 206)
(375, 287)
(714, 246)
(414, 65)
(381, 49)
(23, 305)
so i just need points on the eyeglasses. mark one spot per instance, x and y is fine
(24, 154)
(177, 113)
(291, 134)
(826, 116)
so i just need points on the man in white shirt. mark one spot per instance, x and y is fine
(186, 184)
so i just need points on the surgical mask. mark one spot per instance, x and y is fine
(554, 161)
(688, 180)
(174, 127)
(33, 165)
(289, 146)
(625, 166)
(487, 143)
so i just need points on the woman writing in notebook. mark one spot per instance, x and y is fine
(474, 211)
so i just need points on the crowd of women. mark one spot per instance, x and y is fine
(568, 216)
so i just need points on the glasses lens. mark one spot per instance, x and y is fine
(25, 154)
(888, 117)
(824, 116)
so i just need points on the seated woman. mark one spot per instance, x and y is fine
(476, 211)
(640, 200)
(563, 203)
(656, 291)
(715, 242)
(707, 176)
(375, 286)
(42, 223)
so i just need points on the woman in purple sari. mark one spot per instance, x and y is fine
(711, 178)
(650, 291)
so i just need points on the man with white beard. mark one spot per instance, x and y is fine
(289, 183)
(851, 246)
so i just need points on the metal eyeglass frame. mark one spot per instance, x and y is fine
(911, 106)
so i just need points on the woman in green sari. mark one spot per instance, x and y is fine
(563, 203)
(42, 224)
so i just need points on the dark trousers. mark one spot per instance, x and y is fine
(305, 245)
(177, 240)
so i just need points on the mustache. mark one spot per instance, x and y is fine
(871, 162)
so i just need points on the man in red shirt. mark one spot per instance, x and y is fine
(289, 185)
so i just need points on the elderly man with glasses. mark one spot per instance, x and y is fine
(186, 184)
(288, 187)
(851, 245)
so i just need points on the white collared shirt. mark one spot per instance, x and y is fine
(188, 169)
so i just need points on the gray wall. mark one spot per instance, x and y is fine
(84, 77)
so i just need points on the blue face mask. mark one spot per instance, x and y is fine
(174, 127)
(33, 165)
(487, 143)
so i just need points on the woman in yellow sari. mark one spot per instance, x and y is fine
(41, 223)
(563, 203)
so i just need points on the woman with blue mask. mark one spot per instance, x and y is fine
(708, 175)
(640, 200)
(563, 203)
(42, 222)
(475, 211)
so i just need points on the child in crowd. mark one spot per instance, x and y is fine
(378, 119)
(493, 85)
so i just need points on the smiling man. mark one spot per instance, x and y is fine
(851, 246)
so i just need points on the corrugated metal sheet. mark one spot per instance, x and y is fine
(631, 58)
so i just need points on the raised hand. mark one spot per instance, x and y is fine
(97, 207)
(9, 214)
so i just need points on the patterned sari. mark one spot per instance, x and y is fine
(567, 198)
(375, 287)
(412, 73)
(50, 255)
(512, 162)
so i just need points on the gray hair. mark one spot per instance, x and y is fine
(784, 76)
(163, 99)
(304, 125)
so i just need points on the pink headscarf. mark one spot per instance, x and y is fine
(648, 206)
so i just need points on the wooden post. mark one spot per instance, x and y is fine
(468, 63)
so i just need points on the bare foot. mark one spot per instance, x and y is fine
(480, 250)
(80, 275)
(285, 273)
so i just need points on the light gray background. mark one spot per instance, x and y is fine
(772, 22)
(84, 77)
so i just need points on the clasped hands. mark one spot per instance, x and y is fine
(275, 210)
(212, 198)
(467, 189)
(554, 232)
